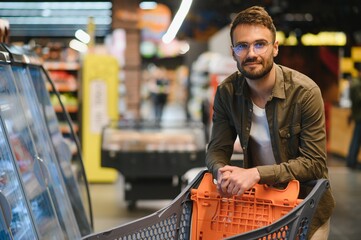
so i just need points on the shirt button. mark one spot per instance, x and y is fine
(250, 110)
(288, 135)
(247, 128)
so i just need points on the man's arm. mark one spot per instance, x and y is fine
(311, 162)
(220, 147)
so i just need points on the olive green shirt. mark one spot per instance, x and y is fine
(295, 115)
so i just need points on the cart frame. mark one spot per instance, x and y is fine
(174, 220)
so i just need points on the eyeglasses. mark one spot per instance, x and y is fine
(259, 47)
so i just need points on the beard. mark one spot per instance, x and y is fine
(255, 74)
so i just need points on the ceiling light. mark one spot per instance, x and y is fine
(82, 36)
(324, 39)
(177, 21)
(56, 19)
(78, 46)
(184, 48)
(148, 5)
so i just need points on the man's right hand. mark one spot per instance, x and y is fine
(232, 180)
(223, 182)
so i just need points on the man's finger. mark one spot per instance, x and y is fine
(224, 185)
(226, 168)
(240, 192)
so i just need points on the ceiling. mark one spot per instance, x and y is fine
(205, 17)
(61, 19)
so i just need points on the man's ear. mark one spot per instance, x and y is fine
(275, 49)
(233, 54)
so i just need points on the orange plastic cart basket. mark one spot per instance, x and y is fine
(215, 217)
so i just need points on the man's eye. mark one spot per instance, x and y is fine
(242, 46)
(260, 44)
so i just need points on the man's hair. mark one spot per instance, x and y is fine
(255, 15)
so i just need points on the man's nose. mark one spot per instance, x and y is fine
(251, 51)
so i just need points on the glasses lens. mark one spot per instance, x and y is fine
(260, 47)
(240, 49)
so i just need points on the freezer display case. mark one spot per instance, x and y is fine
(44, 146)
(15, 217)
(76, 183)
(34, 155)
(152, 159)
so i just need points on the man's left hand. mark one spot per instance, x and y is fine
(240, 179)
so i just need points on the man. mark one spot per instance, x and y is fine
(159, 90)
(277, 113)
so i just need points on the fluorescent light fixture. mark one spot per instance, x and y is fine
(78, 46)
(56, 5)
(56, 18)
(177, 21)
(324, 39)
(82, 36)
(148, 5)
(83, 20)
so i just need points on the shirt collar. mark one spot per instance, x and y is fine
(278, 89)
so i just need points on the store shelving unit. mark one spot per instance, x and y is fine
(65, 76)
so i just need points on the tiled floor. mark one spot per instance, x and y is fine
(110, 209)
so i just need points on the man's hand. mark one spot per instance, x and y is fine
(235, 180)
(223, 182)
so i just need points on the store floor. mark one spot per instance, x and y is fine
(110, 209)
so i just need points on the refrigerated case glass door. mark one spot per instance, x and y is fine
(62, 149)
(45, 151)
(21, 226)
(32, 170)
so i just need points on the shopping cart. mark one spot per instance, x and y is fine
(181, 219)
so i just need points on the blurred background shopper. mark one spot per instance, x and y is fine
(355, 97)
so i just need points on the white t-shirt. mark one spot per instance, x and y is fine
(260, 141)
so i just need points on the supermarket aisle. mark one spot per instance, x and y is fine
(110, 209)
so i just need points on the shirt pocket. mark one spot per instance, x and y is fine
(290, 139)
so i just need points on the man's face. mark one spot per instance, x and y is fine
(255, 60)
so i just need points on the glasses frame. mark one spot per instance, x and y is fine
(255, 50)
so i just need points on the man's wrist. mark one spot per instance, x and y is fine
(215, 170)
(257, 174)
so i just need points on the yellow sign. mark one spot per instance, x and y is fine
(356, 54)
(346, 65)
(99, 106)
